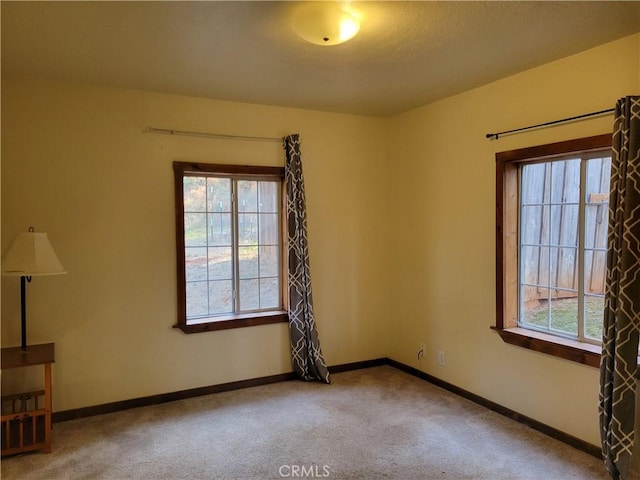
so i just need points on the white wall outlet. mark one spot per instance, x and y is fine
(422, 350)
(441, 360)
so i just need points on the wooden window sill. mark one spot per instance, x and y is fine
(235, 321)
(580, 352)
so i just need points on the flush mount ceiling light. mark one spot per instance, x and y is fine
(325, 23)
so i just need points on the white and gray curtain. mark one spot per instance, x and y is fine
(307, 358)
(622, 295)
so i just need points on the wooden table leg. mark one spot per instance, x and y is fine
(47, 406)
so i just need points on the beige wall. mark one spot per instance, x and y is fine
(443, 246)
(77, 164)
(401, 220)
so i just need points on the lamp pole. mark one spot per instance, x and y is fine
(23, 310)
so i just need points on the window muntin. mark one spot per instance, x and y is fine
(229, 237)
(562, 245)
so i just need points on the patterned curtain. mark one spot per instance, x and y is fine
(622, 295)
(308, 362)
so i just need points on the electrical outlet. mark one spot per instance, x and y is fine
(422, 350)
(441, 360)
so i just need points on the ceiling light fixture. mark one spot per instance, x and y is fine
(326, 23)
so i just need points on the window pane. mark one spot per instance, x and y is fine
(195, 194)
(248, 257)
(249, 295)
(597, 202)
(267, 197)
(195, 264)
(534, 179)
(534, 225)
(269, 261)
(595, 271)
(247, 196)
(596, 224)
(197, 305)
(219, 229)
(268, 229)
(219, 195)
(534, 306)
(269, 293)
(535, 266)
(195, 229)
(564, 268)
(248, 229)
(565, 181)
(220, 263)
(564, 312)
(594, 316)
(598, 180)
(564, 225)
(220, 297)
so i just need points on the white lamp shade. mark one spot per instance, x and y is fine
(325, 23)
(31, 254)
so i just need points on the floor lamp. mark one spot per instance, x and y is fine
(29, 255)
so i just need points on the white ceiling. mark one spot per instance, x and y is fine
(406, 55)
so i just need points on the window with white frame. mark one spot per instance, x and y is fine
(229, 237)
(564, 206)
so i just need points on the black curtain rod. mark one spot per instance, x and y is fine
(577, 117)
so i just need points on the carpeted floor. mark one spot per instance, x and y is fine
(369, 424)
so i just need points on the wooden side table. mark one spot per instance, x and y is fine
(27, 423)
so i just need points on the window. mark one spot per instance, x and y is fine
(552, 220)
(229, 246)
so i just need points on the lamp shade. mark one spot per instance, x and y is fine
(325, 23)
(31, 254)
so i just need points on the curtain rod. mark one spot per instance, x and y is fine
(187, 133)
(569, 119)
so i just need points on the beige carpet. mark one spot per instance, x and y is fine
(369, 424)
